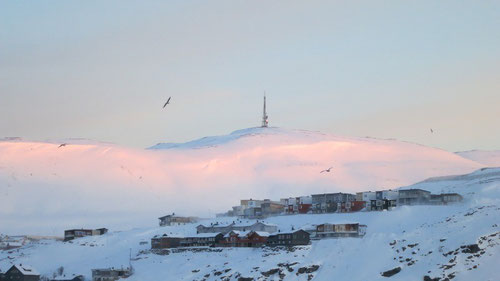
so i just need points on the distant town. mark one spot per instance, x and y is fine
(242, 233)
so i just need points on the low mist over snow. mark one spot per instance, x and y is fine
(45, 188)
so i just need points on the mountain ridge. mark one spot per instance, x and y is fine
(141, 184)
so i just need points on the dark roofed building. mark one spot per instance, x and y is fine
(251, 238)
(445, 198)
(165, 241)
(225, 228)
(202, 240)
(110, 274)
(451, 198)
(71, 234)
(176, 220)
(328, 202)
(340, 230)
(20, 272)
(413, 197)
(292, 238)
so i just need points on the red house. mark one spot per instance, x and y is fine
(244, 239)
(232, 239)
(256, 238)
(352, 206)
(304, 208)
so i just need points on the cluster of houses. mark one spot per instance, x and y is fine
(257, 234)
(237, 234)
(339, 203)
(12, 242)
(21, 272)
(9, 242)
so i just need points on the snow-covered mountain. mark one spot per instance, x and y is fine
(45, 187)
(459, 242)
(490, 158)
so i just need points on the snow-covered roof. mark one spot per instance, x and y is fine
(216, 225)
(175, 216)
(246, 233)
(262, 233)
(170, 235)
(237, 232)
(204, 235)
(266, 223)
(242, 224)
(238, 224)
(65, 277)
(26, 269)
(340, 222)
(287, 232)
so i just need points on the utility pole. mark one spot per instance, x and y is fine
(130, 261)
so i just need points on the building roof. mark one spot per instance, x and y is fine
(165, 235)
(175, 216)
(331, 193)
(260, 233)
(74, 229)
(204, 235)
(62, 278)
(123, 269)
(26, 269)
(414, 189)
(289, 232)
(265, 223)
(237, 224)
(216, 224)
(338, 223)
(237, 232)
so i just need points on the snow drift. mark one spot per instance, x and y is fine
(45, 188)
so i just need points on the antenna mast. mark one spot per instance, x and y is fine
(265, 122)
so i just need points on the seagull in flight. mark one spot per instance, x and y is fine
(327, 170)
(168, 101)
(62, 144)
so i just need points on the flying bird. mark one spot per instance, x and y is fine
(62, 144)
(432, 131)
(327, 170)
(168, 101)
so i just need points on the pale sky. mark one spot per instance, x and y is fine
(388, 69)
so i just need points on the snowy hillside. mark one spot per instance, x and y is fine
(488, 158)
(433, 241)
(45, 187)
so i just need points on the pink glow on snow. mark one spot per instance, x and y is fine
(85, 178)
